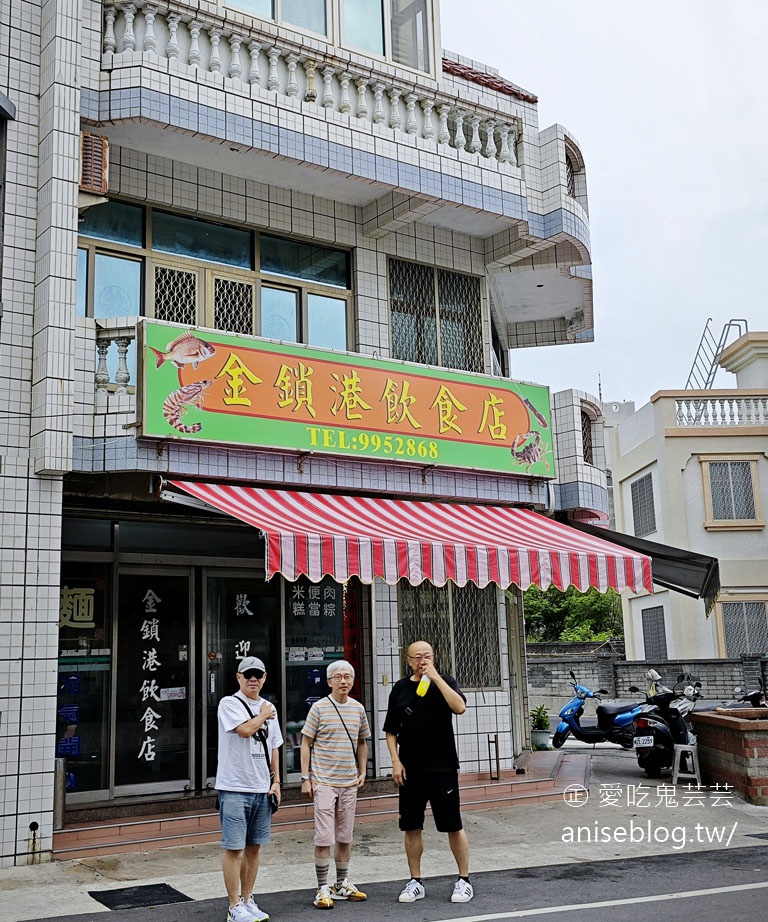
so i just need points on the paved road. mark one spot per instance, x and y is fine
(706, 886)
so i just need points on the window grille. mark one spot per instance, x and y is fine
(654, 633)
(476, 636)
(643, 509)
(461, 325)
(436, 316)
(745, 625)
(425, 615)
(175, 295)
(570, 176)
(462, 625)
(233, 306)
(414, 316)
(586, 437)
(732, 490)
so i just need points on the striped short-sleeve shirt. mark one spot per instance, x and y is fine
(333, 760)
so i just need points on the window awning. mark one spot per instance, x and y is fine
(319, 534)
(696, 575)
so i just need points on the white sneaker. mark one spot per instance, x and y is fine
(412, 891)
(462, 891)
(323, 898)
(241, 912)
(258, 915)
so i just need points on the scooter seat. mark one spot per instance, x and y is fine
(611, 710)
(607, 712)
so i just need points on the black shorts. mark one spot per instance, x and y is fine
(440, 790)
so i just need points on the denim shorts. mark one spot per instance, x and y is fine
(246, 819)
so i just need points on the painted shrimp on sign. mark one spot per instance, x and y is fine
(227, 388)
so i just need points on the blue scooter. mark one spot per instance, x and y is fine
(614, 721)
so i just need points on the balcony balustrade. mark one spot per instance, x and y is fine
(721, 410)
(249, 61)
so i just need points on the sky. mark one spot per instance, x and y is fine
(668, 103)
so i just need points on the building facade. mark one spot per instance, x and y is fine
(281, 173)
(690, 469)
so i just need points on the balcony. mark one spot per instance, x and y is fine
(727, 412)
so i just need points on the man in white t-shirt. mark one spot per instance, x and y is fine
(245, 779)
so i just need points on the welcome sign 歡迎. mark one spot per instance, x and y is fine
(226, 388)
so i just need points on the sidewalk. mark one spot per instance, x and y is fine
(620, 799)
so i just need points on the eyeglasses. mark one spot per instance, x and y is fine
(346, 677)
(253, 674)
(422, 656)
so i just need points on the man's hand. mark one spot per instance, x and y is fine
(275, 789)
(266, 713)
(427, 668)
(398, 773)
(361, 779)
(306, 789)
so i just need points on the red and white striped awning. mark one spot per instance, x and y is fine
(319, 534)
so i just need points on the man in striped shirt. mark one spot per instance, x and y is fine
(334, 754)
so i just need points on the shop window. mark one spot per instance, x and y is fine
(306, 14)
(435, 316)
(85, 668)
(731, 497)
(116, 286)
(296, 260)
(461, 624)
(654, 634)
(200, 273)
(410, 34)
(745, 626)
(82, 282)
(363, 25)
(643, 509)
(196, 239)
(326, 322)
(280, 313)
(114, 221)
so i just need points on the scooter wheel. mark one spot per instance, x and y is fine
(559, 738)
(653, 768)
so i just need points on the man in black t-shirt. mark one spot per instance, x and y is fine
(425, 766)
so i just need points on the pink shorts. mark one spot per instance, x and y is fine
(334, 813)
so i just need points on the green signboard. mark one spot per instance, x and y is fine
(224, 388)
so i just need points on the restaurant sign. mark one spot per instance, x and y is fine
(209, 386)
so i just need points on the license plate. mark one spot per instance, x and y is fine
(643, 742)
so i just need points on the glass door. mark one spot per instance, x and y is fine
(321, 625)
(85, 667)
(154, 693)
(242, 619)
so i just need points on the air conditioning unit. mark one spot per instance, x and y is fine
(94, 163)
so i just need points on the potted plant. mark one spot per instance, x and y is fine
(540, 727)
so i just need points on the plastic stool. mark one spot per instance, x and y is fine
(682, 755)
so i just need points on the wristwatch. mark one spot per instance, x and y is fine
(305, 777)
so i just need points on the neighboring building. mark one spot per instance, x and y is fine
(690, 469)
(324, 179)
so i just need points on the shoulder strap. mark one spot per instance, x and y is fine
(261, 735)
(354, 748)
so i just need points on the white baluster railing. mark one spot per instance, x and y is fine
(719, 410)
(205, 41)
(113, 373)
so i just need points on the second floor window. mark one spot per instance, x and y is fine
(436, 316)
(134, 261)
(731, 496)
